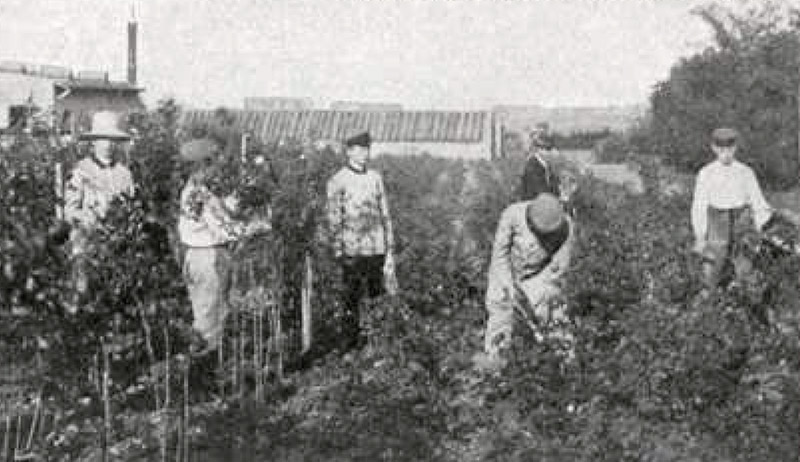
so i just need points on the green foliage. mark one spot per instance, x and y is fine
(660, 374)
(747, 81)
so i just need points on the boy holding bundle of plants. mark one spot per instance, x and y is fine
(207, 228)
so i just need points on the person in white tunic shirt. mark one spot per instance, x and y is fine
(724, 190)
(206, 230)
(361, 227)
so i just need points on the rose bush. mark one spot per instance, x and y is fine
(660, 373)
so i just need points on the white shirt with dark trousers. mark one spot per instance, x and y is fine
(726, 187)
(721, 196)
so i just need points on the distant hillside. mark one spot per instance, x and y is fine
(569, 119)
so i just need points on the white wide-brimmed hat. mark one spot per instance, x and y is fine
(105, 126)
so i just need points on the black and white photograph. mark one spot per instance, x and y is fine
(400, 230)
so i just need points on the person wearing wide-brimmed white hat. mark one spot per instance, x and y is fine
(94, 183)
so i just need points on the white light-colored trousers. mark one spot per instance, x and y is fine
(534, 304)
(207, 271)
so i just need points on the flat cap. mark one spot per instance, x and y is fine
(724, 136)
(358, 137)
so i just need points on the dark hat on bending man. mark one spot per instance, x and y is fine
(724, 137)
(358, 137)
(545, 213)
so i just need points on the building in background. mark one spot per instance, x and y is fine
(568, 120)
(363, 106)
(48, 97)
(452, 134)
(277, 103)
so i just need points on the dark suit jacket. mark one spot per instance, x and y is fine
(537, 179)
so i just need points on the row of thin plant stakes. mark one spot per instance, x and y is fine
(251, 354)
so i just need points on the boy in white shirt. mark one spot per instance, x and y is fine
(724, 189)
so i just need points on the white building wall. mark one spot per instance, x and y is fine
(16, 88)
(465, 151)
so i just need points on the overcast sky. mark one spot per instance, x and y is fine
(421, 53)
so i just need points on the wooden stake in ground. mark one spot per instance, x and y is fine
(186, 424)
(260, 366)
(256, 371)
(17, 434)
(148, 343)
(106, 404)
(165, 409)
(221, 366)
(305, 303)
(6, 437)
(235, 353)
(34, 422)
(242, 354)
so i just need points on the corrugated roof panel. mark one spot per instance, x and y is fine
(280, 125)
(439, 122)
(425, 125)
(385, 126)
(405, 123)
(272, 126)
(470, 126)
(410, 127)
(302, 124)
(292, 131)
(291, 126)
(476, 133)
(335, 126)
(468, 122)
(439, 125)
(474, 125)
(349, 121)
(315, 126)
(392, 126)
(326, 125)
(451, 128)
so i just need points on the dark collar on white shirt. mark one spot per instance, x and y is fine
(356, 170)
(102, 165)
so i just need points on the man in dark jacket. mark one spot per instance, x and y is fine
(538, 177)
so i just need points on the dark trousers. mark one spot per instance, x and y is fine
(363, 277)
(722, 260)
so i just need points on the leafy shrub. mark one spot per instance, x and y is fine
(660, 374)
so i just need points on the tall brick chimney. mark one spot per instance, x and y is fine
(132, 26)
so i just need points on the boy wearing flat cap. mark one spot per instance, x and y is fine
(206, 230)
(724, 189)
(361, 228)
(531, 252)
(92, 186)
